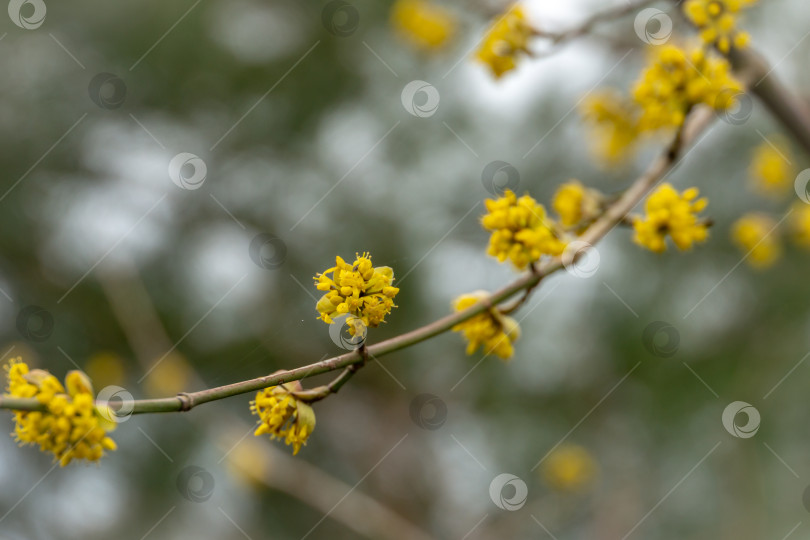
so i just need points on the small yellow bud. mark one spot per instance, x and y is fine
(491, 330)
(507, 40)
(359, 289)
(283, 416)
(673, 214)
(70, 427)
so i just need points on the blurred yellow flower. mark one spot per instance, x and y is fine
(677, 80)
(757, 237)
(169, 376)
(248, 460)
(506, 41)
(671, 213)
(569, 468)
(71, 426)
(800, 224)
(521, 231)
(105, 369)
(283, 416)
(614, 123)
(575, 203)
(423, 24)
(771, 170)
(359, 289)
(717, 21)
(492, 330)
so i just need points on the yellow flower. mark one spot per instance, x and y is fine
(359, 289)
(521, 231)
(800, 224)
(717, 21)
(575, 203)
(249, 461)
(423, 24)
(755, 235)
(71, 426)
(569, 468)
(505, 42)
(677, 80)
(283, 416)
(672, 213)
(614, 122)
(771, 171)
(492, 330)
(169, 375)
(106, 369)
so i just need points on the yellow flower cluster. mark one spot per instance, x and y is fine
(70, 427)
(575, 203)
(755, 234)
(678, 80)
(283, 416)
(717, 21)
(771, 170)
(359, 289)
(505, 42)
(671, 213)
(569, 468)
(615, 122)
(760, 237)
(492, 330)
(521, 231)
(423, 24)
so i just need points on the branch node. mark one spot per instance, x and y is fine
(363, 352)
(186, 403)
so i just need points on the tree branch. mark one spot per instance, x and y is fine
(791, 111)
(586, 26)
(613, 215)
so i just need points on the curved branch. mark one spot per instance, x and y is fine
(611, 217)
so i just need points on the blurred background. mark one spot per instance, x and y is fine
(149, 145)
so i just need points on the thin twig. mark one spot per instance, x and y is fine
(526, 294)
(321, 392)
(313, 486)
